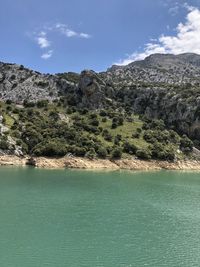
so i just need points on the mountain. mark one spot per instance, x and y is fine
(160, 68)
(162, 86)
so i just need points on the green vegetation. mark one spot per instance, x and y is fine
(51, 129)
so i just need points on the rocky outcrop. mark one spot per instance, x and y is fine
(93, 91)
(18, 84)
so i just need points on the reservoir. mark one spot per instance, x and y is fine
(61, 218)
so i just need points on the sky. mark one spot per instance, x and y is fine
(53, 36)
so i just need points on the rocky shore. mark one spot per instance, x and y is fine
(98, 164)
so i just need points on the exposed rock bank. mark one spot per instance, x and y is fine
(83, 163)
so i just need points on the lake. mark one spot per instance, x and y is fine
(60, 218)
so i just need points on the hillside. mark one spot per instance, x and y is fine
(147, 109)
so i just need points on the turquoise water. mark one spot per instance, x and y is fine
(99, 219)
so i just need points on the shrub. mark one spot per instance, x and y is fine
(143, 154)
(129, 148)
(28, 104)
(42, 103)
(103, 113)
(116, 153)
(108, 137)
(102, 152)
(104, 120)
(31, 137)
(50, 148)
(93, 116)
(159, 151)
(136, 135)
(94, 122)
(4, 144)
(8, 102)
(91, 154)
(79, 151)
(114, 125)
(186, 145)
(83, 111)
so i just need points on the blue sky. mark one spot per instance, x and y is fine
(71, 35)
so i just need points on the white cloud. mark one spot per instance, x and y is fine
(47, 55)
(187, 39)
(65, 30)
(85, 35)
(174, 9)
(42, 40)
(42, 37)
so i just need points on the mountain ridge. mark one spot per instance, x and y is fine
(161, 86)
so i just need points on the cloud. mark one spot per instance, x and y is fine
(42, 37)
(85, 35)
(42, 40)
(47, 55)
(174, 10)
(187, 39)
(65, 30)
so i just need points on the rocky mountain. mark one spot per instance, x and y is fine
(18, 84)
(159, 68)
(161, 86)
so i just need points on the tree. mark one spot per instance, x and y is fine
(54, 147)
(91, 154)
(143, 154)
(186, 145)
(42, 103)
(129, 148)
(117, 153)
(102, 152)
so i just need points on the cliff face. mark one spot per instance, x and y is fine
(161, 86)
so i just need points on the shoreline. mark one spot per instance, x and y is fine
(99, 164)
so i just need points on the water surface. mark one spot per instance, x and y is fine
(99, 219)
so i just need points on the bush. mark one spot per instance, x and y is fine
(136, 135)
(186, 145)
(114, 125)
(83, 111)
(28, 104)
(143, 154)
(93, 116)
(159, 151)
(4, 144)
(120, 121)
(31, 137)
(91, 154)
(129, 148)
(102, 153)
(108, 137)
(104, 120)
(116, 153)
(94, 122)
(50, 148)
(103, 113)
(42, 103)
(8, 102)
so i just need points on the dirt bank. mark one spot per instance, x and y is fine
(98, 164)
